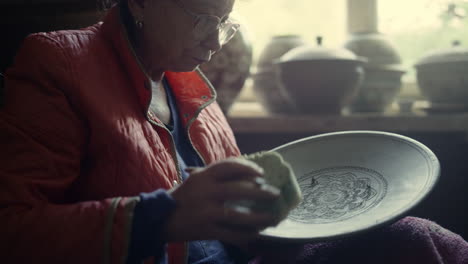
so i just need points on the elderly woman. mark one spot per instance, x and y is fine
(101, 128)
(100, 122)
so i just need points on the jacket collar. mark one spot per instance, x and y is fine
(192, 90)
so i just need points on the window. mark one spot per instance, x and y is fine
(307, 18)
(264, 19)
(415, 27)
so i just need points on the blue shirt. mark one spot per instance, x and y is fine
(154, 208)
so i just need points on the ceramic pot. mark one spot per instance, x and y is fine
(275, 48)
(378, 90)
(320, 80)
(265, 81)
(229, 68)
(376, 47)
(270, 93)
(383, 72)
(442, 76)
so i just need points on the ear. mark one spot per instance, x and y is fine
(136, 8)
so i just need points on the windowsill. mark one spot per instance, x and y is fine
(250, 117)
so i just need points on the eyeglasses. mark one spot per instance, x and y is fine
(206, 25)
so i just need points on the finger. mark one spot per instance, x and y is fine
(235, 169)
(245, 190)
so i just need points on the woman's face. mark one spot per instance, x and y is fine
(167, 40)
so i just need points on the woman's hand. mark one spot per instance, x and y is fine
(201, 212)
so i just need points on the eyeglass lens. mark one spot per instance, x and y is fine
(207, 25)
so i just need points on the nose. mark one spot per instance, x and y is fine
(212, 42)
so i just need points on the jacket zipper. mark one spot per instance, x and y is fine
(190, 122)
(173, 147)
(191, 143)
(147, 81)
(179, 173)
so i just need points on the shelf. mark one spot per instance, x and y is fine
(259, 122)
(304, 124)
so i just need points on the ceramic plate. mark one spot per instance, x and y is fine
(352, 182)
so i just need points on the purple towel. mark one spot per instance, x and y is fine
(408, 241)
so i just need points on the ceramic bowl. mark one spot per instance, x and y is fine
(378, 90)
(320, 80)
(442, 78)
(352, 182)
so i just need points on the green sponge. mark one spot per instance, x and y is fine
(279, 174)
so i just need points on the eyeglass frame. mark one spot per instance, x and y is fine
(228, 24)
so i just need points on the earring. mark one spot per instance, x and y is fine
(139, 24)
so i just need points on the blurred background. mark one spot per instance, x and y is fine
(414, 27)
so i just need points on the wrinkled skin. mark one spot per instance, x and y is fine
(202, 197)
(166, 41)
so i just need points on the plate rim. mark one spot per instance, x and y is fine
(428, 153)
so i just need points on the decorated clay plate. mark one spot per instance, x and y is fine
(354, 181)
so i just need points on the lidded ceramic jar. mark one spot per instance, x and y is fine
(383, 72)
(265, 82)
(275, 48)
(320, 80)
(442, 77)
